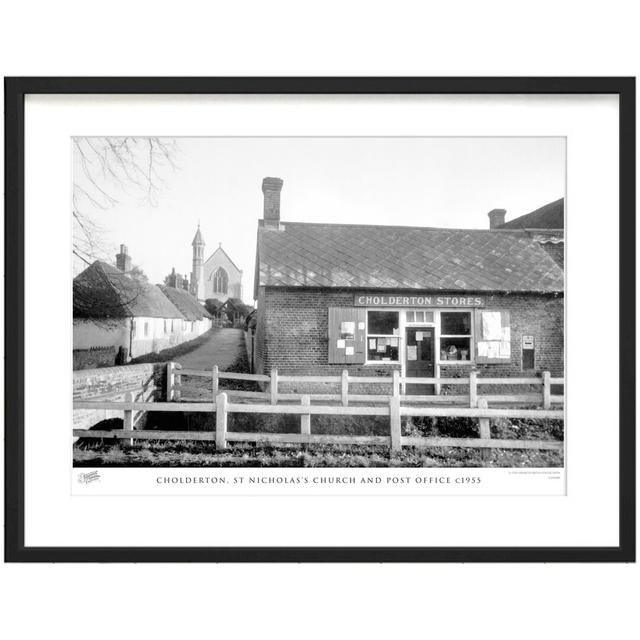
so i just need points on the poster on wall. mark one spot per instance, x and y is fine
(210, 358)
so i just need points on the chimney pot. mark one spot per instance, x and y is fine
(271, 188)
(496, 218)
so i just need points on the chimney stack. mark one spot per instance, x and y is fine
(271, 188)
(496, 218)
(123, 259)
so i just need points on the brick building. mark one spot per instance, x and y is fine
(429, 302)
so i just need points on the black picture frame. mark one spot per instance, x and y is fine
(15, 91)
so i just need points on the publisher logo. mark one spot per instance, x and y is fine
(87, 478)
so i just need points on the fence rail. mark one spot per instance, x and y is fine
(395, 406)
(176, 389)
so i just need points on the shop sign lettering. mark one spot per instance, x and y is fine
(372, 300)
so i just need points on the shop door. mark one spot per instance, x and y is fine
(419, 359)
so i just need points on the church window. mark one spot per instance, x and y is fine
(220, 281)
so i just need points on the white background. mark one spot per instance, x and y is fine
(488, 38)
(53, 517)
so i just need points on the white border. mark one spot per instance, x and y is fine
(587, 516)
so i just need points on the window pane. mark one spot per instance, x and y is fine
(455, 324)
(383, 322)
(386, 349)
(428, 316)
(455, 348)
(411, 316)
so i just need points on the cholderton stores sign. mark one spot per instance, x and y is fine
(426, 301)
(417, 301)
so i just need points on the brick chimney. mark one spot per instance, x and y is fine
(496, 218)
(172, 280)
(271, 188)
(123, 259)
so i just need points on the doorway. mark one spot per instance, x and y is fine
(420, 360)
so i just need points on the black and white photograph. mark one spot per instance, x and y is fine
(318, 302)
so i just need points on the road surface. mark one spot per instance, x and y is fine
(222, 347)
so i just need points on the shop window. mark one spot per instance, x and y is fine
(383, 336)
(420, 316)
(455, 335)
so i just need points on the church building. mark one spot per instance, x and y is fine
(217, 276)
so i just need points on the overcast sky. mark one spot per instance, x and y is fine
(438, 182)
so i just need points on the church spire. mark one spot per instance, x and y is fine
(197, 271)
(198, 239)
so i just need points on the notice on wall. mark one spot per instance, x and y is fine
(382, 345)
(360, 326)
(349, 351)
(393, 342)
(419, 336)
(527, 342)
(348, 330)
(340, 344)
(493, 349)
(372, 343)
(412, 352)
(491, 325)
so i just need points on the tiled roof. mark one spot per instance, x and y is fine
(102, 291)
(551, 216)
(190, 308)
(386, 257)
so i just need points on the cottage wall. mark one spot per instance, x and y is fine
(98, 332)
(150, 336)
(292, 334)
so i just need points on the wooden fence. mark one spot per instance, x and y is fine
(393, 406)
(176, 389)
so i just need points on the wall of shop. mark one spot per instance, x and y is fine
(292, 334)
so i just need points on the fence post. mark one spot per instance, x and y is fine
(214, 377)
(394, 419)
(344, 387)
(485, 429)
(396, 384)
(473, 389)
(546, 389)
(177, 381)
(221, 421)
(305, 418)
(274, 386)
(170, 381)
(128, 415)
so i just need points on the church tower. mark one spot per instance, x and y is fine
(197, 273)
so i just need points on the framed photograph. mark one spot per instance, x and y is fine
(320, 319)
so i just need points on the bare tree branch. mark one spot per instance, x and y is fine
(106, 168)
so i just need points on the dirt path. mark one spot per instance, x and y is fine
(223, 347)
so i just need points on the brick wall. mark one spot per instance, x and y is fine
(146, 381)
(292, 334)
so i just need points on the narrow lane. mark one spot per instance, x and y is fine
(223, 348)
